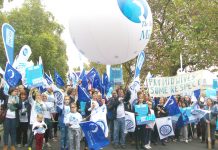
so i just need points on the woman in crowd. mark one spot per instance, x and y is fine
(12, 105)
(24, 118)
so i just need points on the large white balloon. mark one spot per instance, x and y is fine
(110, 31)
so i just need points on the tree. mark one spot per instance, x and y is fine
(38, 29)
(180, 26)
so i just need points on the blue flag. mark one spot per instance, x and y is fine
(85, 82)
(106, 83)
(8, 34)
(94, 135)
(91, 74)
(48, 79)
(139, 63)
(171, 106)
(12, 76)
(83, 95)
(197, 93)
(97, 83)
(59, 81)
(82, 74)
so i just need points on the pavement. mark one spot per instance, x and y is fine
(192, 145)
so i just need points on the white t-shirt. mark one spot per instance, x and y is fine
(74, 119)
(37, 108)
(120, 110)
(66, 111)
(23, 117)
(41, 127)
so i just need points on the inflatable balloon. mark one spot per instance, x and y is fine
(110, 31)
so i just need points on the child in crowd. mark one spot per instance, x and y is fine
(39, 128)
(72, 120)
(62, 119)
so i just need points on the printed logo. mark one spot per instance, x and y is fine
(165, 130)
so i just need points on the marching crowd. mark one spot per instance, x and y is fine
(28, 114)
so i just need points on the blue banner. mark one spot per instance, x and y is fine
(139, 63)
(140, 120)
(116, 75)
(211, 93)
(94, 135)
(142, 112)
(34, 76)
(8, 34)
(12, 76)
(215, 83)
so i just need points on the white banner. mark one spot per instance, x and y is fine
(167, 86)
(129, 122)
(164, 127)
(99, 116)
(134, 88)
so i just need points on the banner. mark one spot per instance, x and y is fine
(215, 83)
(59, 97)
(94, 135)
(116, 75)
(140, 61)
(164, 127)
(98, 116)
(134, 88)
(129, 122)
(211, 93)
(34, 76)
(167, 86)
(8, 34)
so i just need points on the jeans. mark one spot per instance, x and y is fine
(148, 132)
(10, 129)
(22, 133)
(31, 137)
(119, 128)
(64, 137)
(74, 138)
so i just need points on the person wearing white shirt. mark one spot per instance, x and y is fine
(72, 120)
(39, 128)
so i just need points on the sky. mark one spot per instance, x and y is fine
(61, 10)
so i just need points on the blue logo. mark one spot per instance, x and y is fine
(129, 124)
(165, 130)
(102, 125)
(25, 52)
(134, 10)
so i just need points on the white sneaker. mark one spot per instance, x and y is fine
(149, 147)
(19, 145)
(186, 141)
(48, 145)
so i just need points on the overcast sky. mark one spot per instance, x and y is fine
(61, 11)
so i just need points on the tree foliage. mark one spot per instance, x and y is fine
(38, 29)
(180, 26)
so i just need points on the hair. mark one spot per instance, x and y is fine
(40, 116)
(70, 91)
(73, 104)
(66, 96)
(11, 89)
(139, 93)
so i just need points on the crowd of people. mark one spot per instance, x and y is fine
(31, 114)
